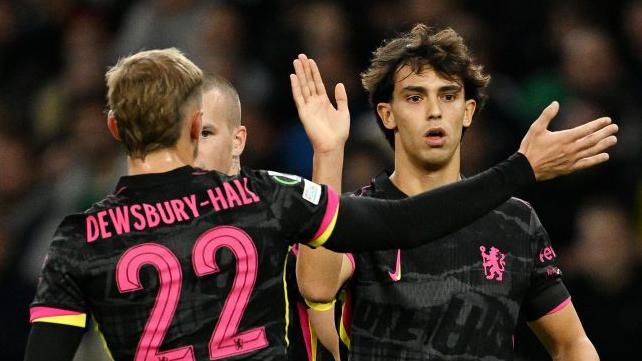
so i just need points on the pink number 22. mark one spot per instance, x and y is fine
(225, 341)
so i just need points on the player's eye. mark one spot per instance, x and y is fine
(414, 98)
(206, 133)
(449, 97)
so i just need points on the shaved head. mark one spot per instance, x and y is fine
(222, 137)
(228, 95)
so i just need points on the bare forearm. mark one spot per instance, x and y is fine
(580, 350)
(318, 270)
(323, 324)
(327, 168)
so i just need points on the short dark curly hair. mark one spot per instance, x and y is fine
(442, 50)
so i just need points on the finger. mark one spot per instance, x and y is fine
(590, 161)
(296, 91)
(585, 130)
(300, 73)
(547, 115)
(596, 137)
(309, 79)
(598, 148)
(341, 97)
(316, 74)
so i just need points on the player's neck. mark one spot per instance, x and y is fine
(412, 178)
(160, 161)
(235, 168)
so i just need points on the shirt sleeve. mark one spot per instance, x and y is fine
(306, 211)
(58, 298)
(368, 224)
(52, 342)
(547, 293)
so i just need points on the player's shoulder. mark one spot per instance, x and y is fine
(364, 191)
(70, 230)
(270, 183)
(517, 207)
(110, 201)
(271, 176)
(376, 188)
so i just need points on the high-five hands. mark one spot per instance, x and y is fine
(552, 154)
(327, 127)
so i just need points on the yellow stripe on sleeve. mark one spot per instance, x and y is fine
(343, 334)
(287, 299)
(70, 320)
(320, 306)
(319, 241)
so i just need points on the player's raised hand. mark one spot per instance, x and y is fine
(552, 154)
(327, 127)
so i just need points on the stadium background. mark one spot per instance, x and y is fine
(56, 156)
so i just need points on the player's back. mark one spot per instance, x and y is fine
(184, 265)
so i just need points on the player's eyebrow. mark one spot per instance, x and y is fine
(450, 88)
(415, 89)
(423, 90)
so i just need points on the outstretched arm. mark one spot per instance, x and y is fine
(371, 224)
(327, 128)
(563, 336)
(318, 270)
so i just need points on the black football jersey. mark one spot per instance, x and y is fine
(184, 265)
(457, 298)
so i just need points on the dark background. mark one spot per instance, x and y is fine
(56, 156)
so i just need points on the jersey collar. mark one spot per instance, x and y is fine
(382, 183)
(151, 179)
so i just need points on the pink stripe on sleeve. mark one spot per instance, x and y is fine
(330, 211)
(40, 312)
(560, 306)
(351, 258)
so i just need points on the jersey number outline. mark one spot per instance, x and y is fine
(225, 340)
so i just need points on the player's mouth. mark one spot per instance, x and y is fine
(435, 137)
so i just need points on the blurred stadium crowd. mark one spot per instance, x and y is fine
(56, 156)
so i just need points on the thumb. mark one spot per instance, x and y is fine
(341, 97)
(547, 115)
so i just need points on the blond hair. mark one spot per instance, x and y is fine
(149, 94)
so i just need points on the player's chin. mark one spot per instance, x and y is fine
(434, 161)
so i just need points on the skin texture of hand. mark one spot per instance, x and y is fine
(553, 154)
(327, 127)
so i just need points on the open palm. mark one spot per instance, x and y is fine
(327, 127)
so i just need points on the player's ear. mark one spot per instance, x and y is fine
(385, 113)
(112, 125)
(238, 144)
(196, 124)
(471, 105)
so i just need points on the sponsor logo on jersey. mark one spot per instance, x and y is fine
(547, 254)
(396, 275)
(552, 272)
